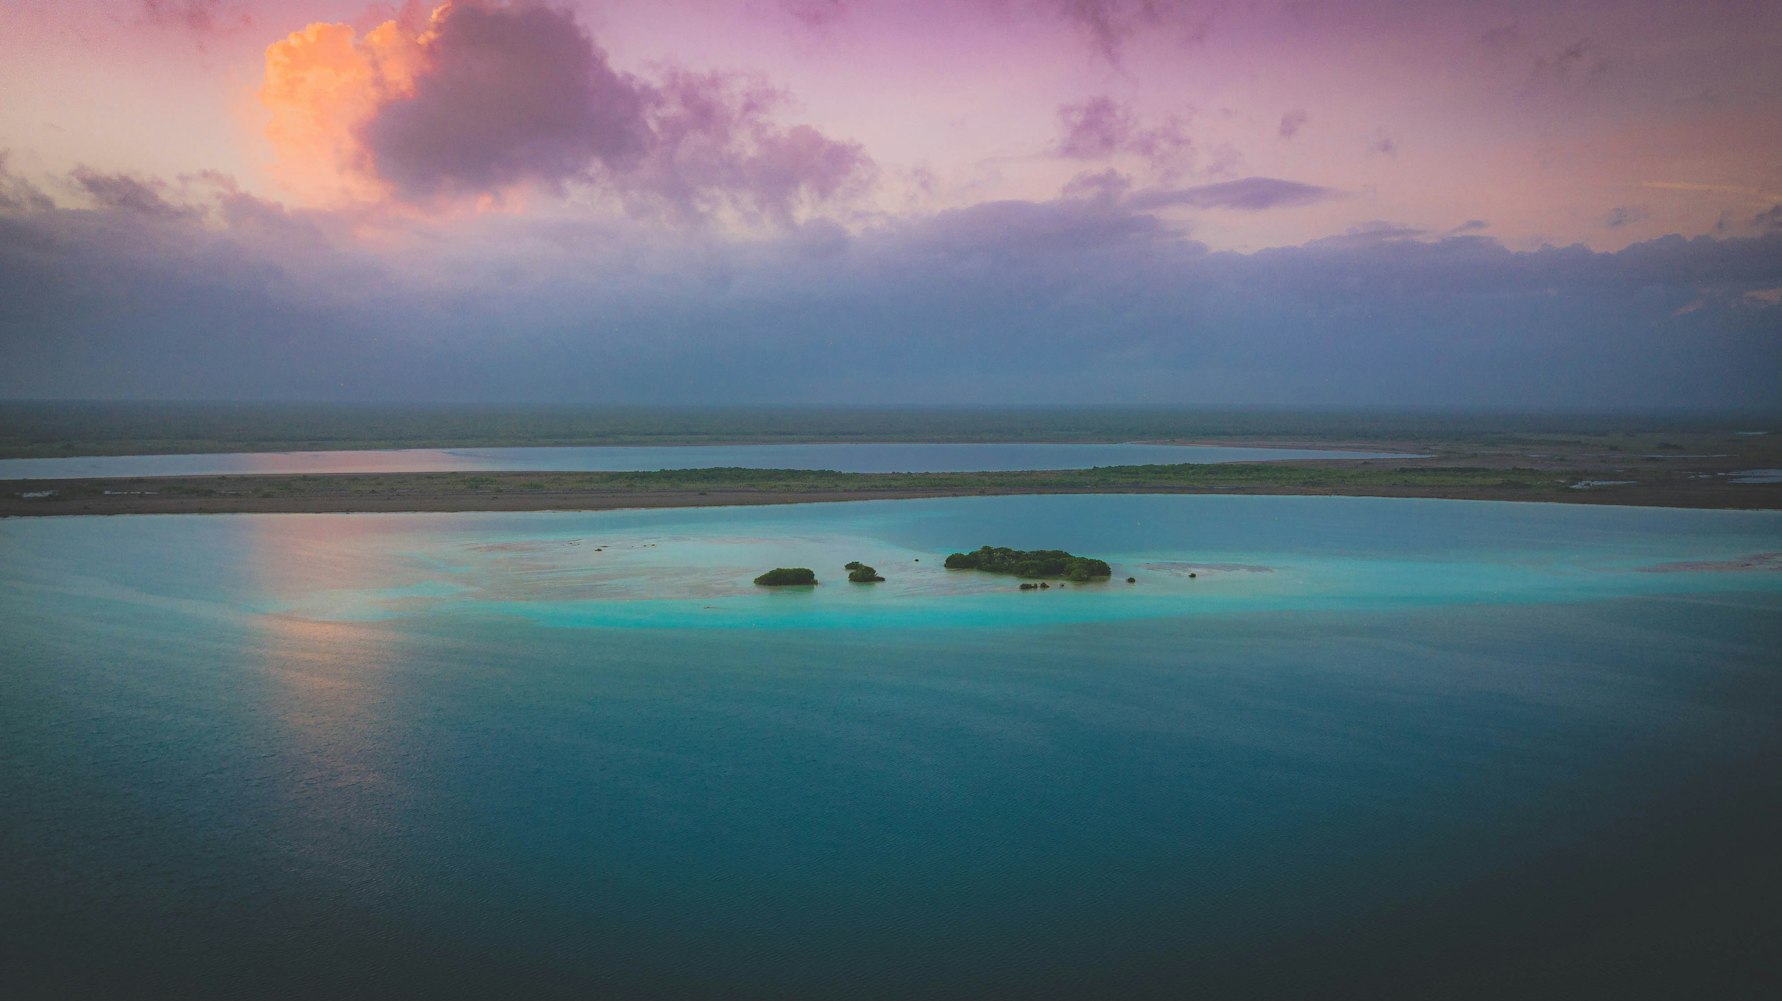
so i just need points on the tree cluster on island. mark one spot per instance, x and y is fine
(786, 576)
(860, 573)
(1034, 563)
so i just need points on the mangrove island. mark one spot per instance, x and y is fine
(1035, 563)
(787, 576)
(860, 573)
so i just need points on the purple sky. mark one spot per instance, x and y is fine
(1044, 201)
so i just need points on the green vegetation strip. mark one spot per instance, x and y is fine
(1251, 476)
(48, 429)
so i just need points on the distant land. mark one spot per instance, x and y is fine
(49, 429)
(1673, 460)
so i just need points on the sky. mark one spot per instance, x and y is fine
(1153, 202)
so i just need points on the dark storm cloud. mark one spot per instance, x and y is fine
(1076, 300)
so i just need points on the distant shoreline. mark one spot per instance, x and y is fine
(1675, 467)
(458, 492)
(48, 429)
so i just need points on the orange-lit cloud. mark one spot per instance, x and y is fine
(486, 102)
(324, 84)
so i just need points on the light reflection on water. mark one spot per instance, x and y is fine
(344, 754)
(856, 458)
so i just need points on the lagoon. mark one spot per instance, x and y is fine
(845, 458)
(1373, 746)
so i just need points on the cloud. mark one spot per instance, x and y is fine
(1769, 220)
(504, 96)
(1291, 123)
(1102, 127)
(1106, 186)
(1108, 25)
(322, 85)
(1383, 144)
(1095, 128)
(1503, 38)
(1375, 231)
(199, 17)
(17, 195)
(815, 14)
(1624, 215)
(1249, 194)
(484, 100)
(1078, 299)
(125, 193)
(1579, 61)
(1022, 228)
(711, 140)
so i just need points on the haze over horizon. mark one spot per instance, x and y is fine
(1094, 202)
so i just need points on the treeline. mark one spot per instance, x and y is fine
(65, 428)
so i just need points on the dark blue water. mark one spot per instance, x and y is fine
(847, 458)
(399, 755)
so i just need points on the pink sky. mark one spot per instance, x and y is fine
(1097, 201)
(1601, 124)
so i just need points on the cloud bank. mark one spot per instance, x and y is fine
(195, 289)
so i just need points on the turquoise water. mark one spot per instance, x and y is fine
(871, 458)
(1372, 747)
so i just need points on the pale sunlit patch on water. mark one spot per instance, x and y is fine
(695, 568)
(857, 458)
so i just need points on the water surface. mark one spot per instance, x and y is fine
(1372, 748)
(846, 458)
